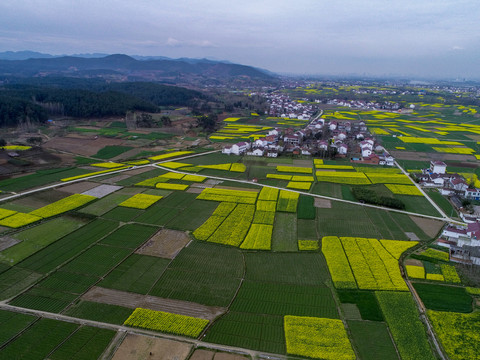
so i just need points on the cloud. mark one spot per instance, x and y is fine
(173, 42)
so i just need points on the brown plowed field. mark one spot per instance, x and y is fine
(86, 146)
(429, 226)
(165, 243)
(132, 300)
(140, 347)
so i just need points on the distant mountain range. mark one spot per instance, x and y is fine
(128, 68)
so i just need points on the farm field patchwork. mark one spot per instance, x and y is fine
(372, 266)
(403, 320)
(458, 333)
(317, 338)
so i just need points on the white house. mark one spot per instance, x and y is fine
(366, 145)
(256, 152)
(366, 152)
(272, 153)
(323, 145)
(454, 232)
(342, 136)
(332, 126)
(438, 167)
(261, 142)
(342, 149)
(240, 148)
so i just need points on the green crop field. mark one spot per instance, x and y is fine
(86, 343)
(129, 236)
(345, 220)
(111, 151)
(105, 204)
(198, 274)
(252, 331)
(39, 340)
(38, 237)
(402, 317)
(372, 340)
(441, 201)
(418, 204)
(11, 324)
(366, 302)
(285, 232)
(97, 260)
(444, 298)
(69, 246)
(306, 229)
(193, 216)
(305, 209)
(40, 178)
(99, 312)
(290, 268)
(158, 215)
(123, 214)
(138, 273)
(15, 280)
(285, 299)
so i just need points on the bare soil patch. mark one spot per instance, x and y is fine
(102, 190)
(322, 203)
(133, 301)
(140, 347)
(413, 262)
(303, 163)
(85, 145)
(194, 190)
(78, 188)
(201, 354)
(227, 356)
(127, 154)
(429, 226)
(165, 244)
(7, 241)
(412, 236)
(464, 164)
(213, 182)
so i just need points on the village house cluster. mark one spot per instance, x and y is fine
(280, 105)
(364, 105)
(449, 184)
(318, 138)
(462, 241)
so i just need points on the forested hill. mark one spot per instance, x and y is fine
(125, 66)
(37, 100)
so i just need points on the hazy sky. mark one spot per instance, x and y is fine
(418, 37)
